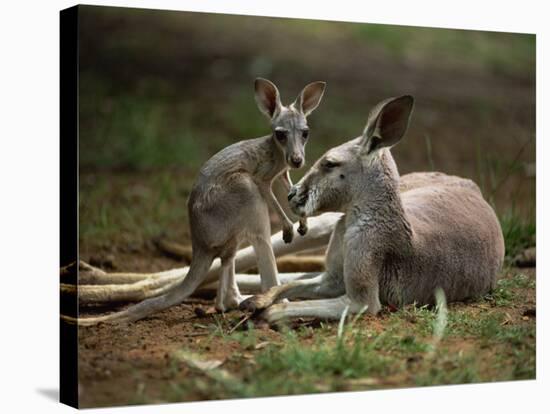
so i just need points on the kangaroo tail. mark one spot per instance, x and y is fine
(198, 270)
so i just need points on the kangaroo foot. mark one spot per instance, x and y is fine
(258, 302)
(229, 302)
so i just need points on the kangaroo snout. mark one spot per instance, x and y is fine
(296, 161)
(297, 199)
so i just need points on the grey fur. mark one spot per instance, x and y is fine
(390, 247)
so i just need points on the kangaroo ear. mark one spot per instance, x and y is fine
(310, 97)
(267, 97)
(387, 123)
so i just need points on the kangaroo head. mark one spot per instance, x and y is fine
(354, 168)
(289, 123)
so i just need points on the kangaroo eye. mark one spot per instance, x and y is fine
(280, 135)
(305, 133)
(329, 165)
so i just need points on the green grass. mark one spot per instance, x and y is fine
(477, 346)
(519, 232)
(518, 227)
(132, 208)
(509, 290)
(450, 368)
(352, 357)
(138, 132)
(289, 367)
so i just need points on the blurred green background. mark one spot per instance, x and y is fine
(161, 92)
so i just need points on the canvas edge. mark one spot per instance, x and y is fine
(68, 127)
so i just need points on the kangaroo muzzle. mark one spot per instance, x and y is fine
(297, 199)
(296, 160)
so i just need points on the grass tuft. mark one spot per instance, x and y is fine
(519, 232)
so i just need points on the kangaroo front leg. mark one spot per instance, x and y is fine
(361, 279)
(329, 309)
(287, 184)
(288, 231)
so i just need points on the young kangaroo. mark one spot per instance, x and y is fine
(229, 202)
(389, 248)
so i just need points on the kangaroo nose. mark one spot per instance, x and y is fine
(296, 161)
(292, 193)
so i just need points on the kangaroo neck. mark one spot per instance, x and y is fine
(273, 163)
(376, 212)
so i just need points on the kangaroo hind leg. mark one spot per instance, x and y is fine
(267, 264)
(228, 295)
(329, 309)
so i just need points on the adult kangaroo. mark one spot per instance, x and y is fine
(230, 200)
(389, 247)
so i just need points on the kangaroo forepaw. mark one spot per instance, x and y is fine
(288, 235)
(302, 229)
